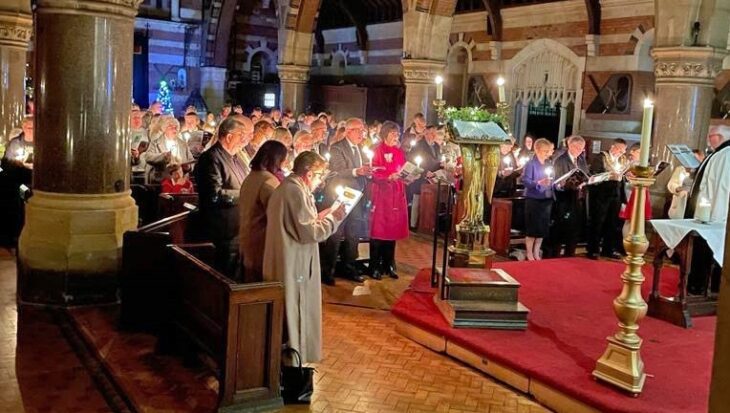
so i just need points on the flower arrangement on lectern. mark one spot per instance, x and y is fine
(478, 132)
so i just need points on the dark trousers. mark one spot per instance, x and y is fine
(568, 222)
(343, 243)
(603, 226)
(382, 255)
(704, 274)
(227, 258)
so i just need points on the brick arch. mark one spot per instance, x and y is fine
(435, 7)
(301, 15)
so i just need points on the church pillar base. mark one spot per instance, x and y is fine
(213, 87)
(70, 247)
(293, 86)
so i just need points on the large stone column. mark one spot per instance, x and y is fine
(213, 87)
(70, 247)
(16, 27)
(419, 75)
(293, 87)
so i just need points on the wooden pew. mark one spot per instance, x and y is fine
(238, 325)
(146, 271)
(172, 204)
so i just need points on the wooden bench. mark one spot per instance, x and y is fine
(172, 204)
(146, 271)
(238, 325)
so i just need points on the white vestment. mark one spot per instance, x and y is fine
(715, 185)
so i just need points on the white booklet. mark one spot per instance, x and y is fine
(347, 196)
(410, 172)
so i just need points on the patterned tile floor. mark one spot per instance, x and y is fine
(367, 366)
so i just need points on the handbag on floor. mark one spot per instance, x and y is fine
(297, 383)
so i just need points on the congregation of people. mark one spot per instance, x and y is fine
(268, 185)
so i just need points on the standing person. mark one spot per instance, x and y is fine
(165, 150)
(276, 117)
(389, 219)
(539, 199)
(569, 207)
(220, 174)
(626, 209)
(293, 229)
(347, 163)
(319, 137)
(605, 201)
(225, 112)
(254, 198)
(415, 131)
(679, 185)
(429, 151)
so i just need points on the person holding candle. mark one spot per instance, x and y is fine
(507, 174)
(538, 180)
(605, 200)
(389, 210)
(415, 132)
(19, 151)
(168, 148)
(679, 185)
(429, 150)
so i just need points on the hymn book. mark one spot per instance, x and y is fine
(410, 172)
(348, 197)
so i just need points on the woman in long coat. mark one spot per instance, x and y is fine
(389, 219)
(291, 255)
(253, 201)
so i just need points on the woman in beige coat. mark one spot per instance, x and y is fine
(255, 193)
(293, 231)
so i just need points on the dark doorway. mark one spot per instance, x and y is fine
(543, 121)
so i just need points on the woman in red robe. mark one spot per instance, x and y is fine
(389, 219)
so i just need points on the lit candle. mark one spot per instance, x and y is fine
(702, 213)
(413, 142)
(549, 172)
(418, 161)
(212, 123)
(443, 158)
(186, 136)
(369, 155)
(20, 154)
(339, 190)
(524, 160)
(500, 89)
(439, 87)
(646, 132)
(375, 139)
(327, 156)
(507, 161)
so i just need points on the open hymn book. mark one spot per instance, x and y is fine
(347, 196)
(410, 172)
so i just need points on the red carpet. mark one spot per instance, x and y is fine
(571, 314)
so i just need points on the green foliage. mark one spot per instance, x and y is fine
(474, 114)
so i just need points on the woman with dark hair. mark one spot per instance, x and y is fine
(389, 219)
(255, 192)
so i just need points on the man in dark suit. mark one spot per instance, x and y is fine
(605, 201)
(219, 176)
(428, 150)
(346, 162)
(569, 209)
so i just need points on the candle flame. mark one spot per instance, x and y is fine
(327, 156)
(439, 80)
(418, 160)
(500, 81)
(648, 103)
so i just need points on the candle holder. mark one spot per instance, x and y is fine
(621, 364)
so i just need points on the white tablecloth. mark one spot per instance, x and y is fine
(673, 232)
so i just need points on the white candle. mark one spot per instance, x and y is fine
(702, 213)
(327, 156)
(369, 155)
(500, 89)
(524, 160)
(20, 154)
(439, 87)
(339, 190)
(186, 136)
(413, 143)
(418, 161)
(646, 132)
(443, 158)
(507, 161)
(549, 172)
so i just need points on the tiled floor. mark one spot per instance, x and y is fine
(367, 366)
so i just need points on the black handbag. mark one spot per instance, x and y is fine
(297, 383)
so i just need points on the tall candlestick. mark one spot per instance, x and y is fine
(646, 132)
(439, 87)
(500, 88)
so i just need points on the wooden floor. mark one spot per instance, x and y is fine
(368, 367)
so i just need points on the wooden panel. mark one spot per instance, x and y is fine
(251, 365)
(427, 208)
(500, 225)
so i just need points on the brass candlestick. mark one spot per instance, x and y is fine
(621, 363)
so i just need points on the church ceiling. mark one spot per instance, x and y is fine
(347, 13)
(468, 6)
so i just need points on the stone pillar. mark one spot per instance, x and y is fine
(16, 27)
(687, 75)
(213, 87)
(293, 87)
(70, 247)
(419, 75)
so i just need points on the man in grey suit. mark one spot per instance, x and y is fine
(346, 162)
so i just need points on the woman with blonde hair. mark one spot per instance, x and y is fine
(538, 180)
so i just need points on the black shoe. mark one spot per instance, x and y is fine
(328, 281)
(392, 273)
(357, 278)
(376, 275)
(592, 256)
